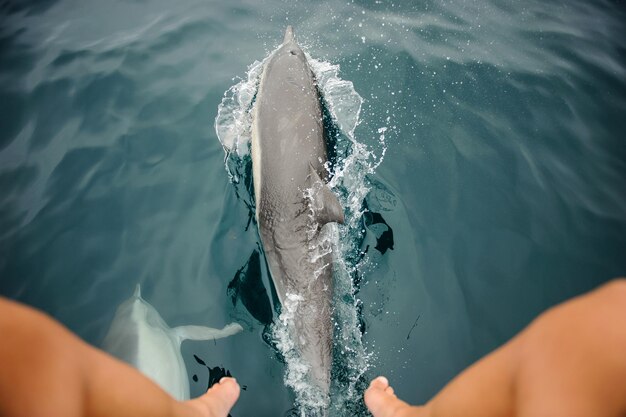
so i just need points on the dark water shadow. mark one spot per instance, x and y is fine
(247, 287)
(216, 373)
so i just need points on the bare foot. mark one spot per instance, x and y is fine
(218, 400)
(381, 400)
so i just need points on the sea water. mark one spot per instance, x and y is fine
(492, 176)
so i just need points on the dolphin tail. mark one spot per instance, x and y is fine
(205, 333)
(289, 36)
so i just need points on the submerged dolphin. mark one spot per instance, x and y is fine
(139, 336)
(293, 201)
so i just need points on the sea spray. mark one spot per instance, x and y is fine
(348, 172)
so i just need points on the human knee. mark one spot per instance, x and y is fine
(607, 302)
(615, 290)
(599, 312)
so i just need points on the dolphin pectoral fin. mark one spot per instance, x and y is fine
(205, 333)
(327, 206)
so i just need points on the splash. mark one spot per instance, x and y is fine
(310, 400)
(233, 123)
(348, 169)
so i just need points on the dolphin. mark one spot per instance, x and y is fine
(293, 201)
(139, 336)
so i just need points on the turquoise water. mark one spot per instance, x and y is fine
(501, 176)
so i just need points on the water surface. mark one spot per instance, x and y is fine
(502, 179)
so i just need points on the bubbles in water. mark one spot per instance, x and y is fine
(233, 123)
(310, 399)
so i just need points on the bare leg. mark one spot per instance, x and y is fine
(569, 362)
(47, 371)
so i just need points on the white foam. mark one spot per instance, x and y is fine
(233, 123)
(310, 399)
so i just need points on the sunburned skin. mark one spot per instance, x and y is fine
(569, 362)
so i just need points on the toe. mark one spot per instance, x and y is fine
(379, 382)
(221, 397)
(381, 400)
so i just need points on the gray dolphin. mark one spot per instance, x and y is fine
(293, 201)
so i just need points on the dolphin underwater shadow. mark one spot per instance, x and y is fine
(293, 203)
(140, 337)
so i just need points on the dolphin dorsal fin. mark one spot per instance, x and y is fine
(205, 333)
(327, 207)
(289, 36)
